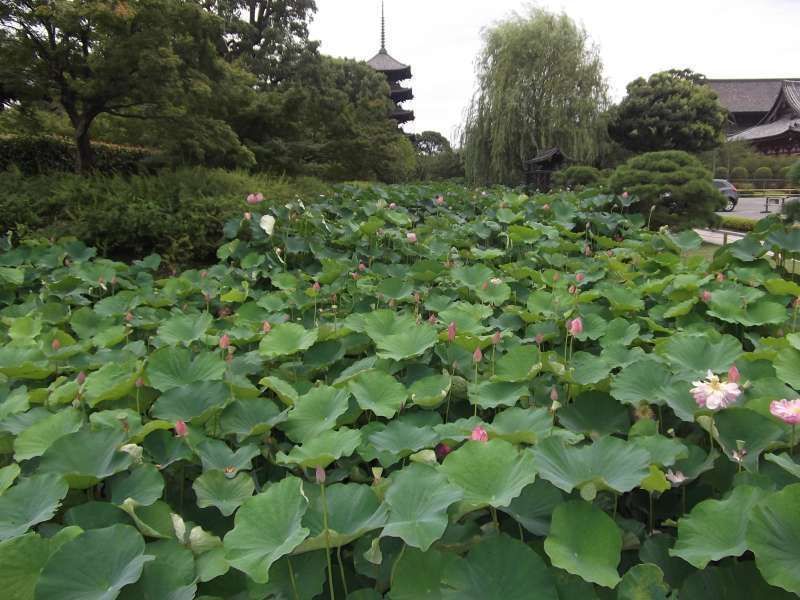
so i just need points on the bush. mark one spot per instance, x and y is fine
(763, 173)
(578, 176)
(794, 174)
(44, 154)
(721, 173)
(178, 214)
(672, 187)
(791, 211)
(784, 174)
(739, 173)
(738, 223)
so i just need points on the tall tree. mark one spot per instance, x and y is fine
(128, 58)
(671, 110)
(540, 84)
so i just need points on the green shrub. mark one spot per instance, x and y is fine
(178, 214)
(672, 187)
(783, 173)
(763, 173)
(794, 174)
(578, 176)
(738, 223)
(45, 154)
(739, 173)
(721, 173)
(791, 211)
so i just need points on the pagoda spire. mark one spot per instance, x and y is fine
(383, 29)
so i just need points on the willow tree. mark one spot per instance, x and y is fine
(540, 84)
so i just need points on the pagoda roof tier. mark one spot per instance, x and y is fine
(391, 67)
(401, 94)
(403, 116)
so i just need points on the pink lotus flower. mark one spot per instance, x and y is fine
(412, 238)
(129, 316)
(316, 286)
(181, 430)
(479, 434)
(477, 356)
(439, 200)
(319, 475)
(432, 319)
(587, 250)
(451, 331)
(787, 411)
(575, 326)
(705, 296)
(624, 194)
(572, 289)
(225, 341)
(675, 478)
(554, 394)
(496, 337)
(139, 382)
(441, 451)
(80, 378)
(266, 327)
(255, 198)
(393, 205)
(55, 345)
(720, 277)
(713, 394)
(362, 267)
(579, 277)
(546, 207)
(733, 374)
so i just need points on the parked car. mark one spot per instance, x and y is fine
(727, 189)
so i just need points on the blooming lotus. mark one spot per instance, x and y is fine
(439, 200)
(676, 478)
(479, 434)
(267, 223)
(575, 326)
(393, 205)
(787, 411)
(495, 281)
(713, 394)
(266, 327)
(412, 238)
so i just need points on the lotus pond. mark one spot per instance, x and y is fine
(404, 393)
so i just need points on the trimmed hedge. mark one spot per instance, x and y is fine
(577, 176)
(740, 173)
(177, 214)
(46, 154)
(738, 223)
(721, 173)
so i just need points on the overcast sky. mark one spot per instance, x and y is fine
(441, 38)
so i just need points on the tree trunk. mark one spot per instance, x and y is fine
(85, 157)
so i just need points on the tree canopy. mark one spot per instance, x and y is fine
(540, 84)
(671, 110)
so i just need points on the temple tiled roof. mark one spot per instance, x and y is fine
(746, 95)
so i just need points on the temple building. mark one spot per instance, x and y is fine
(763, 112)
(395, 72)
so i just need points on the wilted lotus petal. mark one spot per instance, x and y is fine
(267, 223)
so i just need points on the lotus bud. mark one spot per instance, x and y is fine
(624, 194)
(539, 339)
(319, 475)
(733, 374)
(412, 238)
(316, 286)
(587, 250)
(477, 356)
(705, 296)
(572, 289)
(554, 394)
(451, 331)
(479, 434)
(392, 205)
(266, 327)
(432, 319)
(248, 216)
(579, 277)
(362, 267)
(139, 382)
(55, 345)
(80, 378)
(181, 430)
(441, 451)
(225, 341)
(576, 326)
(129, 316)
(439, 200)
(496, 337)
(546, 207)
(720, 277)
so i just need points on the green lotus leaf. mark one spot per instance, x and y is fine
(522, 425)
(250, 416)
(734, 581)
(267, 527)
(619, 332)
(694, 355)
(499, 567)
(595, 414)
(191, 401)
(37, 438)
(30, 501)
(494, 293)
(785, 462)
(663, 451)
(716, 528)
(217, 455)
(782, 287)
(115, 554)
(787, 367)
(23, 361)
(643, 381)
(418, 498)
(587, 368)
(489, 394)
(784, 239)
(395, 288)
(685, 240)
(490, 473)
(472, 276)
(622, 299)
(400, 438)
(533, 508)
(322, 450)
(144, 484)
(164, 448)
(467, 317)
(379, 392)
(381, 323)
(431, 391)
(154, 520)
(741, 426)
(86, 457)
(283, 389)
(8, 475)
(286, 339)
(729, 306)
(773, 535)
(417, 576)
(518, 364)
(315, 412)
(96, 515)
(307, 576)
(586, 542)
(170, 575)
(184, 329)
(608, 464)
(169, 368)
(411, 342)
(214, 488)
(353, 510)
(643, 581)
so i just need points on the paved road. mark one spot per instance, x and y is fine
(752, 208)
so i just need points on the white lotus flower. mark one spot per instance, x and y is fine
(179, 527)
(267, 223)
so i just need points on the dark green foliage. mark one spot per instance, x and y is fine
(721, 173)
(794, 174)
(36, 155)
(763, 173)
(739, 173)
(436, 159)
(672, 110)
(791, 211)
(578, 176)
(540, 84)
(178, 214)
(673, 188)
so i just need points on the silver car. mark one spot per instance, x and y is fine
(727, 189)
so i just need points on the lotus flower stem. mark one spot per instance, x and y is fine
(341, 569)
(521, 532)
(327, 541)
(793, 439)
(394, 566)
(295, 593)
(493, 510)
(651, 516)
(683, 499)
